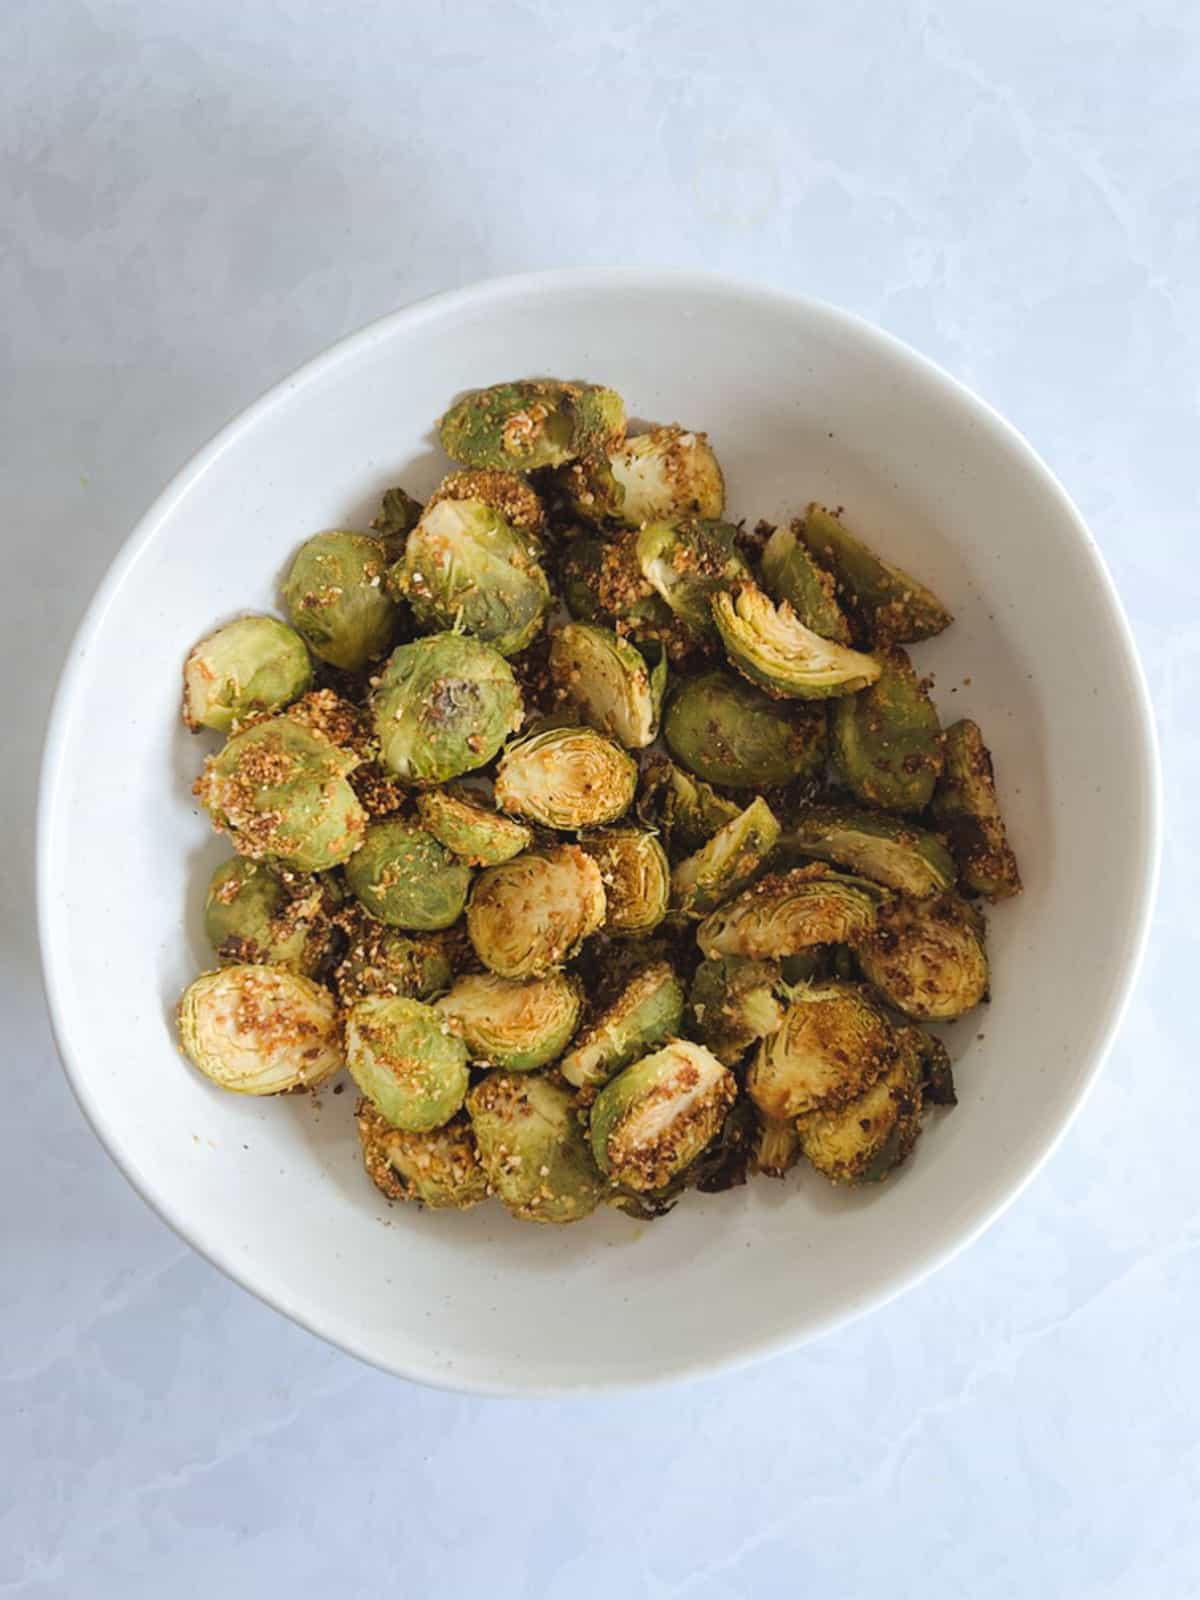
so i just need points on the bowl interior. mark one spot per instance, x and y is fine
(801, 403)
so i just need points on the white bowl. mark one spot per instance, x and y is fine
(801, 401)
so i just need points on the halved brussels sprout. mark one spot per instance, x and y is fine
(260, 1030)
(686, 810)
(727, 862)
(516, 1026)
(665, 473)
(438, 1168)
(510, 496)
(398, 515)
(654, 1118)
(253, 917)
(790, 573)
(733, 1003)
(832, 1044)
(384, 961)
(280, 791)
(533, 422)
(965, 804)
(404, 1058)
(648, 1010)
(602, 582)
(887, 741)
(531, 914)
(792, 911)
(887, 604)
(444, 706)
(866, 1139)
(533, 1148)
(897, 854)
(637, 878)
(689, 563)
(926, 957)
(482, 837)
(251, 664)
(335, 597)
(771, 646)
(725, 730)
(776, 1146)
(608, 682)
(404, 877)
(566, 778)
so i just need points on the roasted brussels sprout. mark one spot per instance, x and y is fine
(832, 1044)
(648, 1010)
(665, 473)
(602, 582)
(792, 911)
(771, 646)
(790, 573)
(398, 515)
(260, 1030)
(252, 916)
(637, 878)
(534, 422)
(727, 862)
(734, 1002)
(566, 778)
(280, 791)
(384, 961)
(444, 706)
(654, 1118)
(686, 810)
(438, 1168)
(251, 664)
(728, 732)
(533, 1147)
(866, 1139)
(518, 1026)
(689, 563)
(965, 805)
(404, 1058)
(531, 914)
(887, 741)
(885, 849)
(776, 1146)
(608, 682)
(335, 597)
(404, 877)
(886, 605)
(926, 957)
(481, 836)
(469, 565)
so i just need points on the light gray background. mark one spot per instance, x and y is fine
(197, 196)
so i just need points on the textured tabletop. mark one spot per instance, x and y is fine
(196, 196)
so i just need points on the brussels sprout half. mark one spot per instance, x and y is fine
(404, 877)
(608, 682)
(965, 805)
(335, 597)
(637, 878)
(666, 473)
(790, 573)
(887, 604)
(384, 961)
(531, 914)
(260, 1030)
(689, 563)
(648, 1010)
(404, 1058)
(253, 917)
(438, 1168)
(927, 957)
(535, 422)
(686, 810)
(728, 732)
(734, 1002)
(480, 836)
(727, 862)
(865, 1140)
(788, 912)
(566, 778)
(771, 646)
(832, 1044)
(533, 1148)
(652, 1120)
(518, 1026)
(885, 849)
(251, 664)
(444, 706)
(887, 741)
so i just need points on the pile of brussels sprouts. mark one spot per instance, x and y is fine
(565, 961)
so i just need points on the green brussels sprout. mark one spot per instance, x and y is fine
(866, 1139)
(260, 1030)
(532, 913)
(566, 778)
(832, 1044)
(404, 1058)
(792, 911)
(886, 605)
(438, 1168)
(790, 573)
(887, 741)
(251, 664)
(689, 563)
(253, 917)
(608, 682)
(533, 1148)
(469, 565)
(885, 849)
(733, 1003)
(335, 597)
(404, 877)
(648, 1010)
(965, 805)
(776, 1146)
(686, 810)
(398, 515)
(444, 706)
(280, 791)
(518, 1026)
(728, 732)
(637, 878)
(727, 862)
(602, 582)
(771, 646)
(537, 422)
(384, 961)
(653, 1119)
(480, 836)
(665, 473)
(926, 957)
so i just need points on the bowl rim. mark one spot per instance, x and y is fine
(440, 304)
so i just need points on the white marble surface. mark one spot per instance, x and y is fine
(197, 196)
